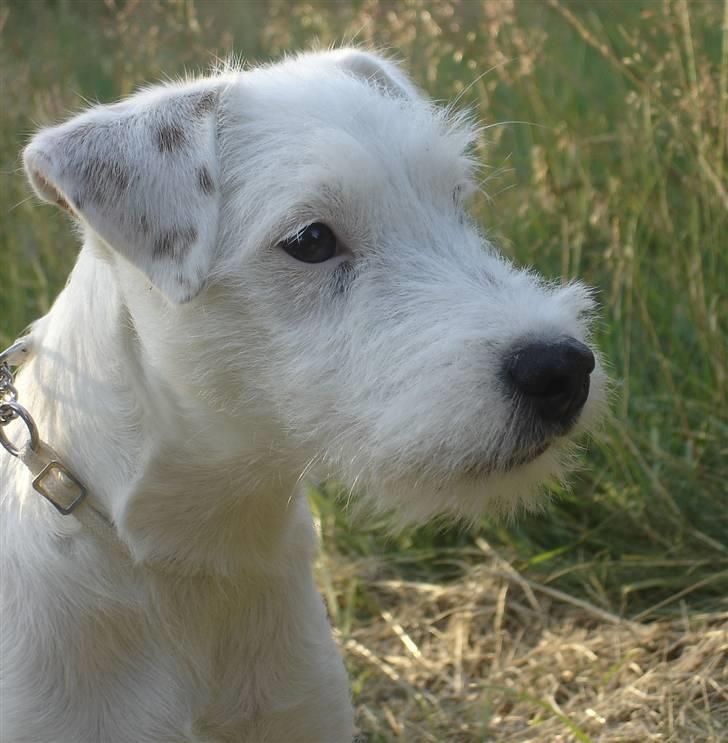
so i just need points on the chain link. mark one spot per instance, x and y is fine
(8, 394)
(11, 409)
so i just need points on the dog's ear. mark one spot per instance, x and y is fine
(142, 174)
(376, 69)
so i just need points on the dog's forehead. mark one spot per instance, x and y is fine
(330, 121)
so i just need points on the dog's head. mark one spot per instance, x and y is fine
(299, 233)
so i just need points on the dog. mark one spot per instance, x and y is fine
(279, 281)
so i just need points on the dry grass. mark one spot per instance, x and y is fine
(492, 656)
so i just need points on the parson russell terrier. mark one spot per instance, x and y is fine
(278, 281)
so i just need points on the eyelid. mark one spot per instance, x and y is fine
(295, 232)
(299, 223)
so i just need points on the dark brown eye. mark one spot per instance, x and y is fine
(313, 244)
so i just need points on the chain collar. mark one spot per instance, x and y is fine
(51, 478)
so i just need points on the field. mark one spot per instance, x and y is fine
(606, 157)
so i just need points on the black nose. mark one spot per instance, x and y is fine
(554, 377)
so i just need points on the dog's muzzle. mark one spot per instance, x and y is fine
(552, 378)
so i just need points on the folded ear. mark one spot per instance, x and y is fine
(143, 174)
(375, 69)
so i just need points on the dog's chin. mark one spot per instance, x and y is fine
(498, 490)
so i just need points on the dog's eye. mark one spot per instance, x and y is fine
(313, 244)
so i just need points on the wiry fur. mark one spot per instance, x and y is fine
(192, 374)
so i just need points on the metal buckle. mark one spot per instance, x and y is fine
(40, 487)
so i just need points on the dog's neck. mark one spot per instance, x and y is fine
(181, 483)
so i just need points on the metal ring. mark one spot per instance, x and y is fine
(23, 414)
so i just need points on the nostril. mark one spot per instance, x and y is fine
(553, 376)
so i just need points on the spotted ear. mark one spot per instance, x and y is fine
(143, 174)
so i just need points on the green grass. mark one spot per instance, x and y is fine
(619, 178)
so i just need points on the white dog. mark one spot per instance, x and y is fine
(278, 280)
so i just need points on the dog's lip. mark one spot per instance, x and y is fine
(526, 456)
(539, 450)
(517, 459)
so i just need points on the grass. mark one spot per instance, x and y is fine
(618, 176)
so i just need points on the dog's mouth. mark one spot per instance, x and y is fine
(527, 456)
(517, 459)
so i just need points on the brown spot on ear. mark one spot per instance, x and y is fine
(170, 137)
(117, 175)
(204, 179)
(103, 179)
(164, 245)
(174, 243)
(206, 102)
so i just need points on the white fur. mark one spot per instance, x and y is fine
(192, 374)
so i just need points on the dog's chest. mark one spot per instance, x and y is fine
(265, 670)
(193, 661)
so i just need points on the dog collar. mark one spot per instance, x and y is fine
(51, 477)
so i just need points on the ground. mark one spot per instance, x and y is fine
(493, 656)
